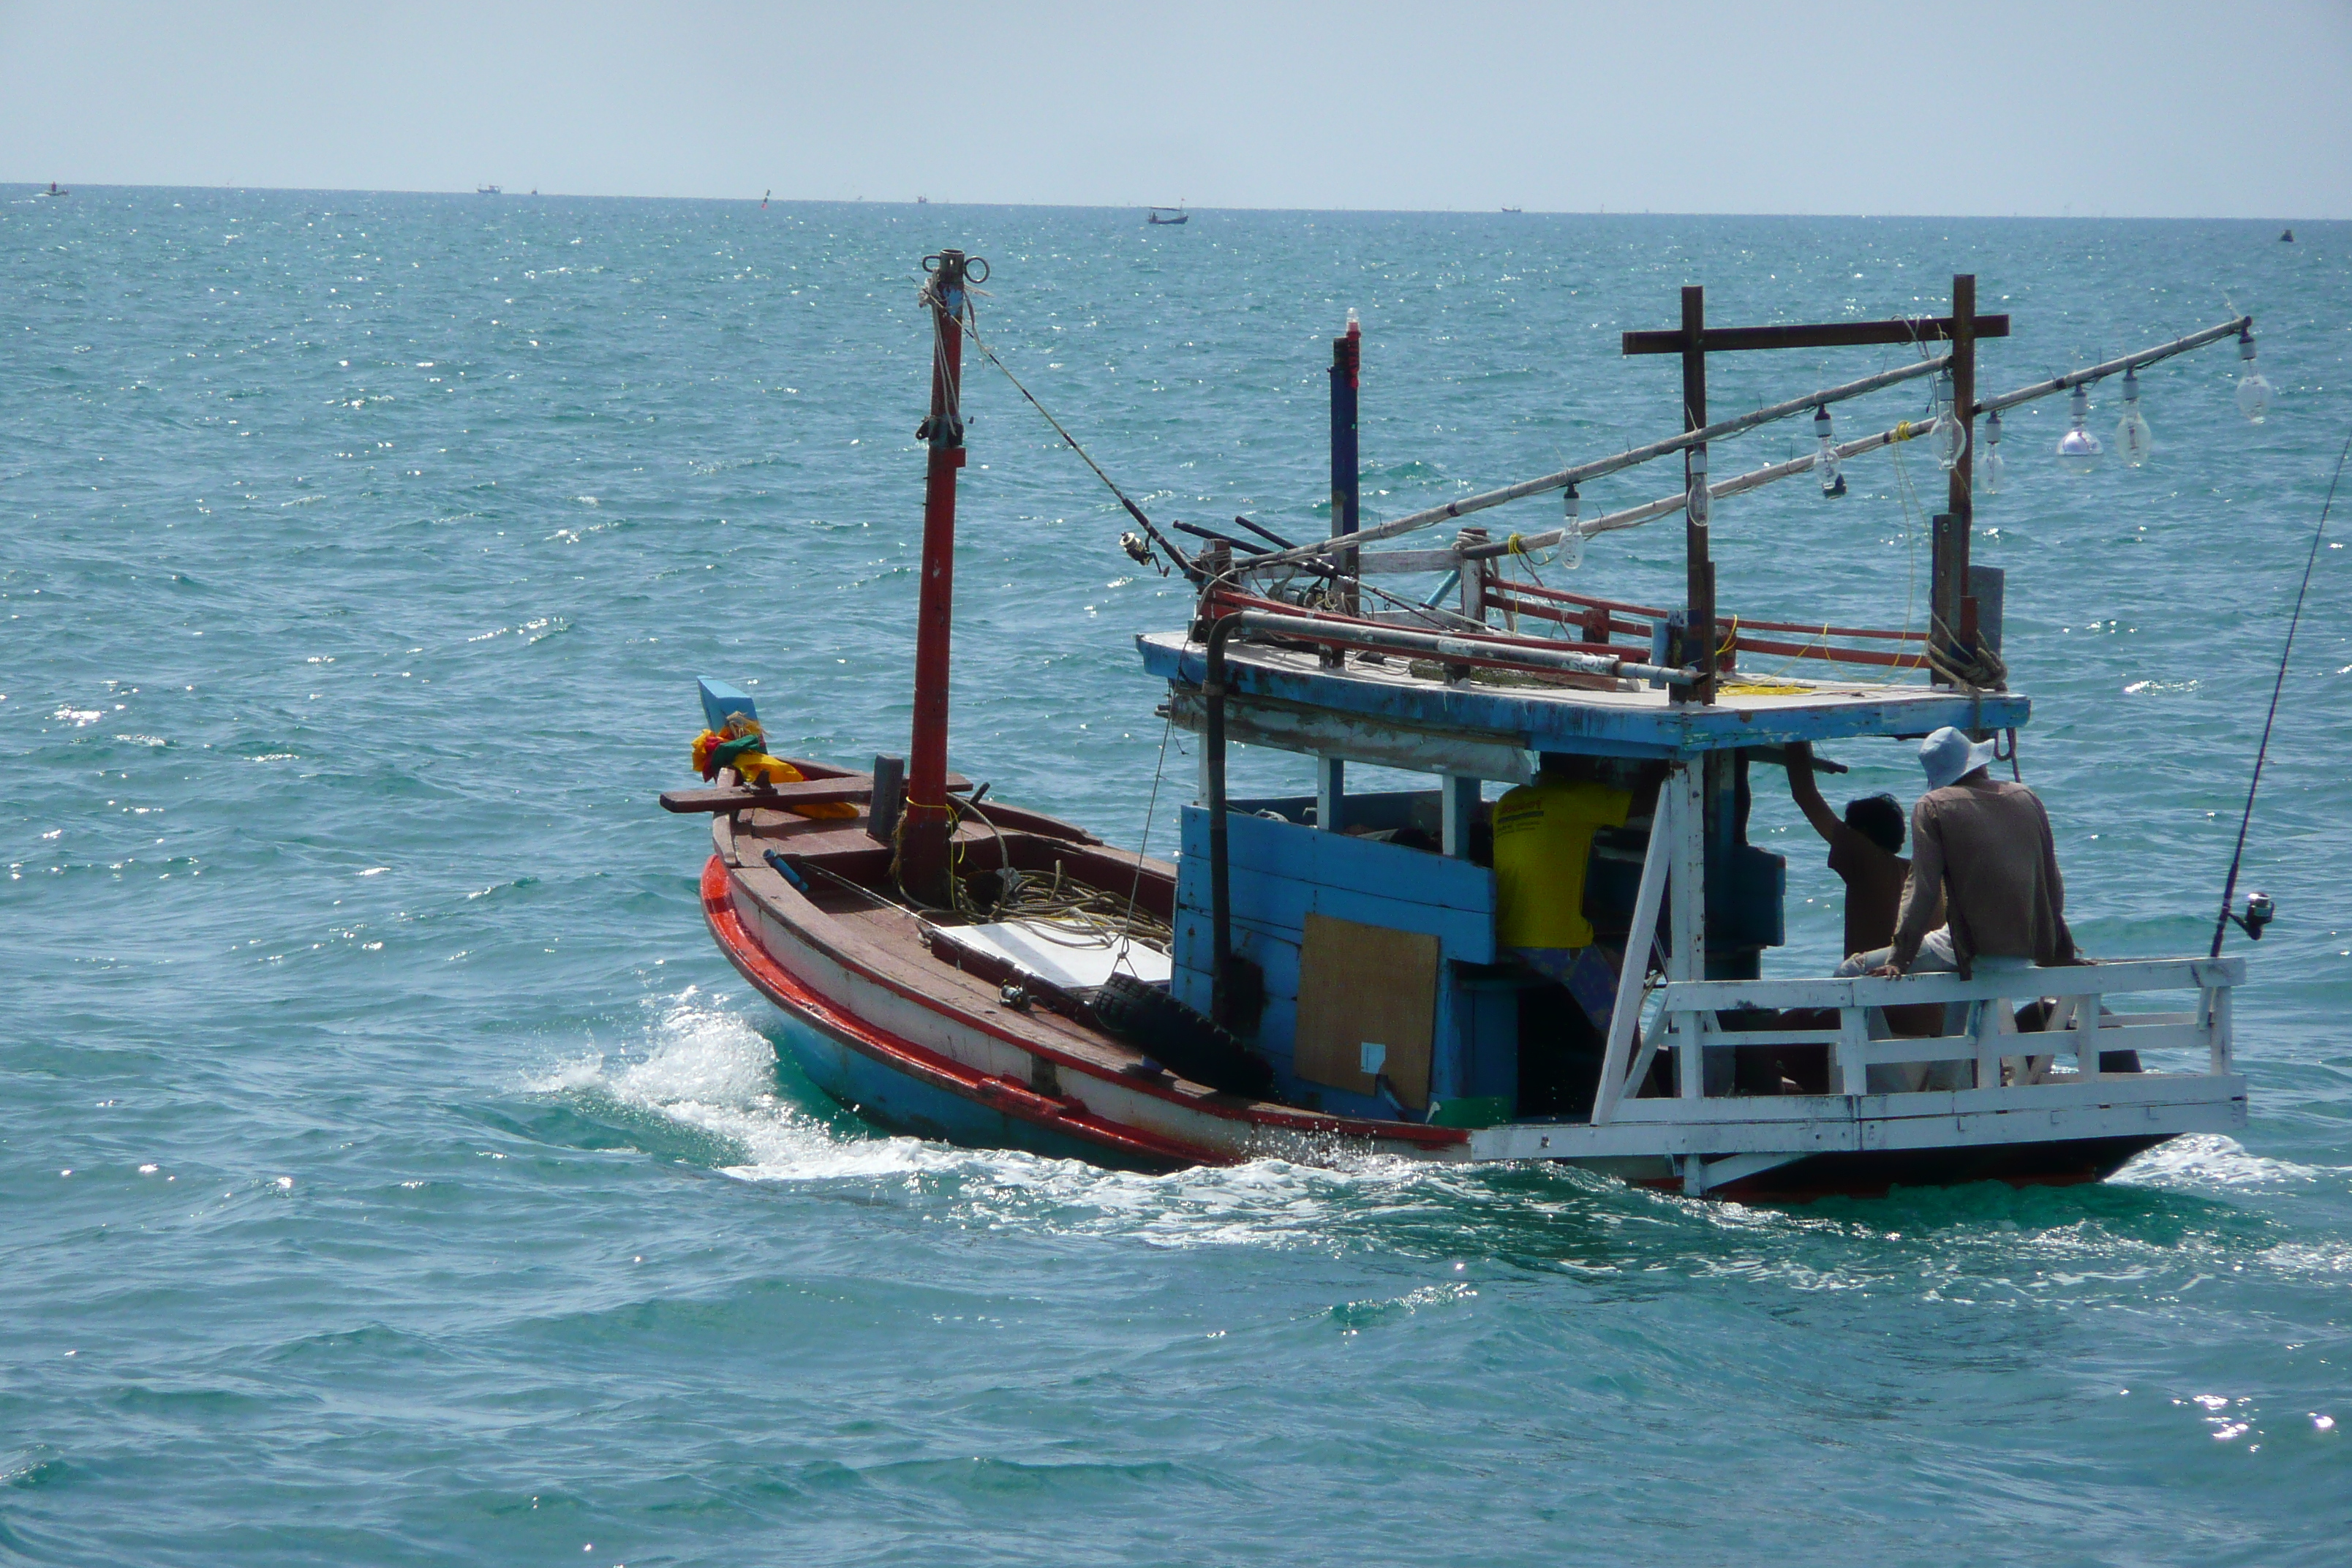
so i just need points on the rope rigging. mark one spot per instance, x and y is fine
(970, 324)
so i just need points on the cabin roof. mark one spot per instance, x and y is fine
(1637, 723)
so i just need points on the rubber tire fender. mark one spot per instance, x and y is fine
(1180, 1038)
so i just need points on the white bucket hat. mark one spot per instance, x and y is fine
(1948, 756)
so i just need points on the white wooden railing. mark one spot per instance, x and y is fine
(1689, 1020)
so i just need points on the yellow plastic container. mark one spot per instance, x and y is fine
(1543, 844)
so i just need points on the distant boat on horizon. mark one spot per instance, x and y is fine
(53, 191)
(2287, 237)
(1515, 209)
(1152, 215)
(487, 191)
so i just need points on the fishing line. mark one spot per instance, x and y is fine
(2230, 889)
(1127, 936)
(1183, 563)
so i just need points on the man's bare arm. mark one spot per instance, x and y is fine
(1807, 794)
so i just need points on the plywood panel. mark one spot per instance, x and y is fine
(1359, 983)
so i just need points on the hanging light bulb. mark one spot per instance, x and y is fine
(1698, 505)
(2134, 439)
(2078, 449)
(1572, 537)
(1944, 434)
(2254, 392)
(1826, 465)
(1989, 469)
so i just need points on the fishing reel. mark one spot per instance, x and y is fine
(1137, 550)
(2261, 910)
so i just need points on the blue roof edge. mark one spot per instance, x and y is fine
(1558, 722)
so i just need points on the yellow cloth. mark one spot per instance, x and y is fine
(758, 767)
(1543, 844)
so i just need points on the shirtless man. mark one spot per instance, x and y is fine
(1865, 851)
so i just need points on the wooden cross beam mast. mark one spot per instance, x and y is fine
(1821, 336)
(1953, 617)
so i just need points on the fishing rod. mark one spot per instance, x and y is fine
(2259, 908)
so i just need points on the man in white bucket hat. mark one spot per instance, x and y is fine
(1984, 876)
(1986, 844)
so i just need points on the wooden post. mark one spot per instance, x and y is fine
(1698, 572)
(1458, 801)
(1331, 792)
(1347, 364)
(1476, 575)
(923, 850)
(889, 796)
(1961, 503)
(1948, 570)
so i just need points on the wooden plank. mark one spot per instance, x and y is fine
(1361, 983)
(2017, 985)
(1274, 951)
(844, 789)
(1285, 904)
(1819, 335)
(1296, 727)
(1338, 861)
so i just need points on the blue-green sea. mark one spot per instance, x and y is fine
(392, 1171)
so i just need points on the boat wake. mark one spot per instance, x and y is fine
(705, 1084)
(2201, 1161)
(704, 1069)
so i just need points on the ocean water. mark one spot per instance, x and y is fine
(393, 1173)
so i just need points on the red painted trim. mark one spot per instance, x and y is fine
(919, 1062)
(1287, 1121)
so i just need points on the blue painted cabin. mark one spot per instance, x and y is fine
(1504, 1042)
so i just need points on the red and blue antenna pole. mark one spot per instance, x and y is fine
(925, 826)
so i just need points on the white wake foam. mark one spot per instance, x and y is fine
(2210, 1160)
(704, 1067)
(701, 1065)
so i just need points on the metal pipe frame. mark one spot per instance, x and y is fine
(1665, 506)
(1483, 651)
(1601, 466)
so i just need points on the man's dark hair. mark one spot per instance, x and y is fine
(1879, 819)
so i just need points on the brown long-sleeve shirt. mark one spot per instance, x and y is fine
(1987, 844)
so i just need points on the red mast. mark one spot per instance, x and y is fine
(923, 846)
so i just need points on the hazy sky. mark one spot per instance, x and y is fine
(2164, 107)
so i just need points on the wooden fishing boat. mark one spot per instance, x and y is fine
(1167, 215)
(1323, 975)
